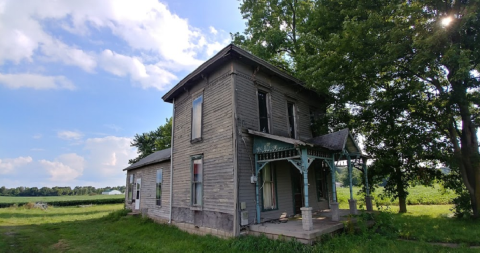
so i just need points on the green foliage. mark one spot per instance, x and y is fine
(148, 143)
(391, 71)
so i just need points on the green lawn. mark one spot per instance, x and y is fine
(90, 229)
(8, 199)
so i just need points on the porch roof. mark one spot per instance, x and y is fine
(336, 142)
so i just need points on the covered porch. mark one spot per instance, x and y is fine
(293, 228)
(330, 150)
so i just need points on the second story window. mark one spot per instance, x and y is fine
(263, 111)
(291, 119)
(197, 105)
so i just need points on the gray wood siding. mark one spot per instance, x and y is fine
(247, 82)
(216, 146)
(148, 174)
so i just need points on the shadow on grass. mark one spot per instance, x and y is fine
(437, 229)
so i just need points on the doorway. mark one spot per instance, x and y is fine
(137, 193)
(297, 190)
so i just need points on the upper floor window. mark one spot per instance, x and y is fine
(263, 111)
(158, 187)
(291, 119)
(197, 105)
(197, 180)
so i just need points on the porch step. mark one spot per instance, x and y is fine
(134, 214)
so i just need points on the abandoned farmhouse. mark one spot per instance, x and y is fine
(244, 153)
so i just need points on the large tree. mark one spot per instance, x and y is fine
(149, 142)
(350, 50)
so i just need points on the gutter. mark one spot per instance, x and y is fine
(171, 163)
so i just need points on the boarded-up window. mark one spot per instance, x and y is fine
(197, 180)
(291, 119)
(263, 111)
(197, 117)
(130, 187)
(269, 188)
(159, 187)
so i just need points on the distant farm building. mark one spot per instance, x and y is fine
(112, 192)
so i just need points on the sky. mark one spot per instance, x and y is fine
(78, 79)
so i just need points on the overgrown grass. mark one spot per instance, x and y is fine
(92, 229)
(418, 195)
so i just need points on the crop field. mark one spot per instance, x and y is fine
(418, 195)
(6, 201)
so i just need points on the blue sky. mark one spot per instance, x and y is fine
(78, 79)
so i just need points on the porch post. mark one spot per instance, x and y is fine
(351, 202)
(334, 206)
(307, 222)
(368, 198)
(257, 190)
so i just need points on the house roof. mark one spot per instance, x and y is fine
(295, 142)
(159, 156)
(336, 141)
(220, 57)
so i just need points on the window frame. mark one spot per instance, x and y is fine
(158, 199)
(130, 188)
(194, 98)
(275, 187)
(192, 182)
(267, 108)
(294, 116)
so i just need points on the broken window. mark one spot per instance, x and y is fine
(291, 119)
(197, 180)
(263, 111)
(197, 105)
(159, 187)
(269, 188)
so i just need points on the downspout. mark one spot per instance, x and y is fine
(171, 163)
(236, 227)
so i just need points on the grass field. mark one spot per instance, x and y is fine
(8, 199)
(418, 195)
(93, 229)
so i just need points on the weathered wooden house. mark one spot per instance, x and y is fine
(243, 152)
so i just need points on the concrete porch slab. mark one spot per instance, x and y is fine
(322, 224)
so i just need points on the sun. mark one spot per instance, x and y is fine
(446, 21)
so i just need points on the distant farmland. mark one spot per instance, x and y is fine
(6, 201)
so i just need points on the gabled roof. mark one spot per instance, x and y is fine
(337, 141)
(159, 156)
(220, 57)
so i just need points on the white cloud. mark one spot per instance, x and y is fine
(64, 168)
(69, 135)
(8, 165)
(35, 81)
(148, 27)
(108, 156)
(213, 30)
(37, 136)
(145, 75)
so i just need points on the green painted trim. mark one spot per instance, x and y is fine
(276, 189)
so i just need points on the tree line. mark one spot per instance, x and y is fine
(56, 191)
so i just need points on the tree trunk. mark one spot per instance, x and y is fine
(402, 203)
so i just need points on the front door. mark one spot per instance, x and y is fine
(137, 193)
(297, 190)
